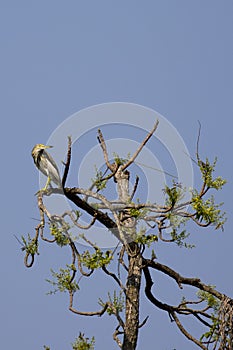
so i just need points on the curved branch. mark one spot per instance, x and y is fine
(186, 333)
(195, 282)
(103, 218)
(150, 296)
(143, 322)
(26, 259)
(75, 221)
(118, 281)
(86, 313)
(115, 336)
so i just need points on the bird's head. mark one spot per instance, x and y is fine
(38, 148)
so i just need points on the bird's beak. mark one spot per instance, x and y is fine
(48, 146)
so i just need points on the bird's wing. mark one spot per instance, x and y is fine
(50, 160)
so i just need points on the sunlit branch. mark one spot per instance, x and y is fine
(131, 160)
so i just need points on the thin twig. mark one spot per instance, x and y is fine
(134, 188)
(186, 333)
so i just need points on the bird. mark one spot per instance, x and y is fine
(46, 164)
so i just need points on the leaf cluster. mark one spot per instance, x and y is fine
(179, 238)
(146, 239)
(207, 210)
(120, 161)
(64, 280)
(173, 194)
(60, 237)
(116, 303)
(138, 213)
(207, 169)
(98, 181)
(209, 298)
(82, 343)
(30, 245)
(96, 260)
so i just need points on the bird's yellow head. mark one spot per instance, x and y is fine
(39, 147)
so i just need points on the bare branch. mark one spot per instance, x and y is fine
(150, 296)
(131, 160)
(26, 259)
(86, 313)
(186, 333)
(75, 221)
(134, 188)
(143, 322)
(67, 163)
(115, 337)
(118, 281)
(104, 149)
(195, 282)
(198, 140)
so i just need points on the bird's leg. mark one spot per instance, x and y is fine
(44, 189)
(47, 184)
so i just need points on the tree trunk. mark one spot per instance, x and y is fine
(132, 302)
(134, 266)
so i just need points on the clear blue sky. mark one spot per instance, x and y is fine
(59, 57)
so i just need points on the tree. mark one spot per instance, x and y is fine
(127, 264)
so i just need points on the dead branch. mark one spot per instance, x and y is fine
(131, 160)
(67, 163)
(86, 313)
(186, 333)
(75, 220)
(115, 336)
(143, 322)
(104, 149)
(118, 281)
(195, 282)
(134, 188)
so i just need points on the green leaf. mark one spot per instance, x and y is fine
(82, 343)
(63, 280)
(96, 260)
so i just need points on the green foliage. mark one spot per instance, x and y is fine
(96, 260)
(176, 222)
(179, 238)
(82, 343)
(214, 304)
(146, 239)
(210, 299)
(30, 245)
(98, 180)
(207, 210)
(60, 237)
(212, 332)
(183, 302)
(207, 169)
(137, 213)
(174, 194)
(116, 303)
(64, 280)
(120, 161)
(77, 213)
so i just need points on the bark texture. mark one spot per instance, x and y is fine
(132, 301)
